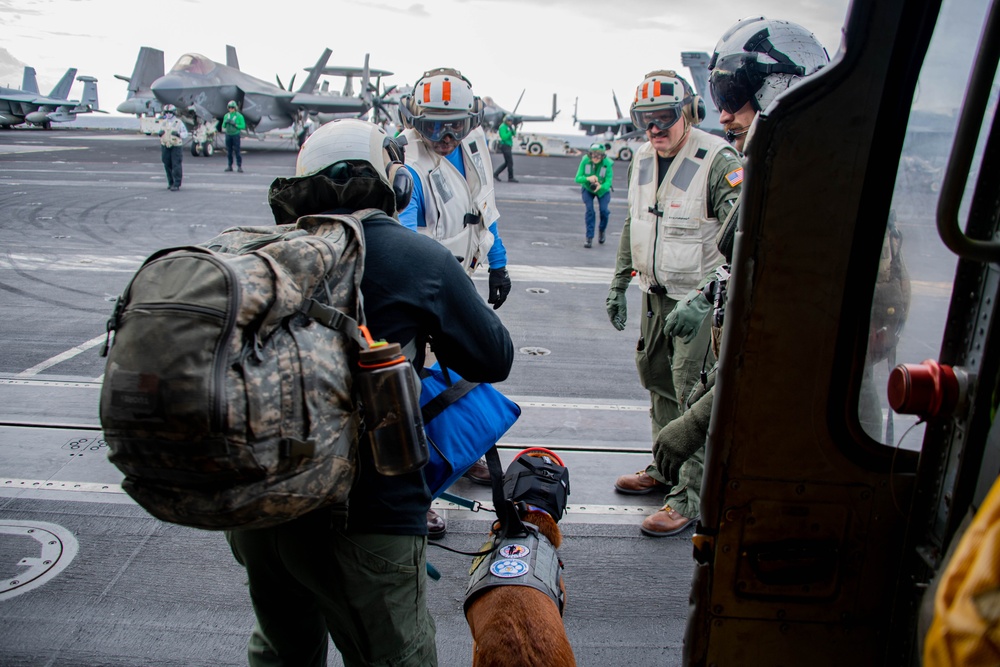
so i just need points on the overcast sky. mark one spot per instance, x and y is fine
(575, 48)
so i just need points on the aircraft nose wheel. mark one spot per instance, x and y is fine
(204, 148)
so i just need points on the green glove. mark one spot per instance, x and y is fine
(685, 320)
(617, 307)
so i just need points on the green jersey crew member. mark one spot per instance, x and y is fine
(506, 142)
(233, 124)
(594, 176)
(682, 183)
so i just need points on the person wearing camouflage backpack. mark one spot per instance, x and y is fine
(358, 572)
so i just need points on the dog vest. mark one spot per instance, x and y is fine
(530, 560)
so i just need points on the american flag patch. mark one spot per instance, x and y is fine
(735, 177)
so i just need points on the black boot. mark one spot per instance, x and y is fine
(589, 243)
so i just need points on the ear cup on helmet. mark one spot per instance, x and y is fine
(402, 184)
(478, 109)
(406, 102)
(695, 110)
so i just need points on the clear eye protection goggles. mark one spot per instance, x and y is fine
(436, 129)
(662, 119)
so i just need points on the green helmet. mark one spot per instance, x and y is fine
(598, 147)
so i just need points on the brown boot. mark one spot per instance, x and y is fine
(479, 473)
(436, 526)
(637, 484)
(665, 522)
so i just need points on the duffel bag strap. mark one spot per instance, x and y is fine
(437, 405)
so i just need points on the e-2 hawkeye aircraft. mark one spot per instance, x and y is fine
(26, 105)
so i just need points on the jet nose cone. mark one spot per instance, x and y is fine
(168, 88)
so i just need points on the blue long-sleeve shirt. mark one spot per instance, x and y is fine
(413, 215)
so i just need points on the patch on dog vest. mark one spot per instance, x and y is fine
(514, 551)
(508, 568)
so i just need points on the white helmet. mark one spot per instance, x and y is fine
(344, 143)
(662, 99)
(758, 58)
(442, 103)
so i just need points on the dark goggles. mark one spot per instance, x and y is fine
(661, 119)
(436, 129)
(730, 85)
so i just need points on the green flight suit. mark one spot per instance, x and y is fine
(669, 368)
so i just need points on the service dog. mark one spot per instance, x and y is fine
(516, 594)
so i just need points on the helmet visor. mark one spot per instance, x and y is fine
(730, 89)
(662, 119)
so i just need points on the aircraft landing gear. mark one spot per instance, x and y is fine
(203, 140)
(205, 148)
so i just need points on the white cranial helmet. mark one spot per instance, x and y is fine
(758, 58)
(662, 99)
(349, 142)
(341, 140)
(442, 103)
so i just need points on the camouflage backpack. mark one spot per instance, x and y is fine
(227, 398)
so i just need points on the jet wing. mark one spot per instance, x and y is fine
(602, 126)
(318, 102)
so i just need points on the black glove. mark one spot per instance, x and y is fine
(160, 133)
(175, 133)
(499, 286)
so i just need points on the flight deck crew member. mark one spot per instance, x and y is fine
(754, 61)
(172, 134)
(453, 203)
(506, 133)
(233, 125)
(682, 182)
(594, 176)
(361, 579)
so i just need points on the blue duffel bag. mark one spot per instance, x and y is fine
(462, 421)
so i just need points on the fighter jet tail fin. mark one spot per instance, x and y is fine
(231, 59)
(618, 109)
(697, 63)
(309, 85)
(61, 91)
(555, 111)
(148, 68)
(29, 83)
(89, 99)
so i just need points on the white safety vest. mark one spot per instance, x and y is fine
(170, 126)
(671, 229)
(448, 196)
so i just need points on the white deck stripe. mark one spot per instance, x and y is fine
(59, 358)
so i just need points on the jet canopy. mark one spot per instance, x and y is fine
(194, 63)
